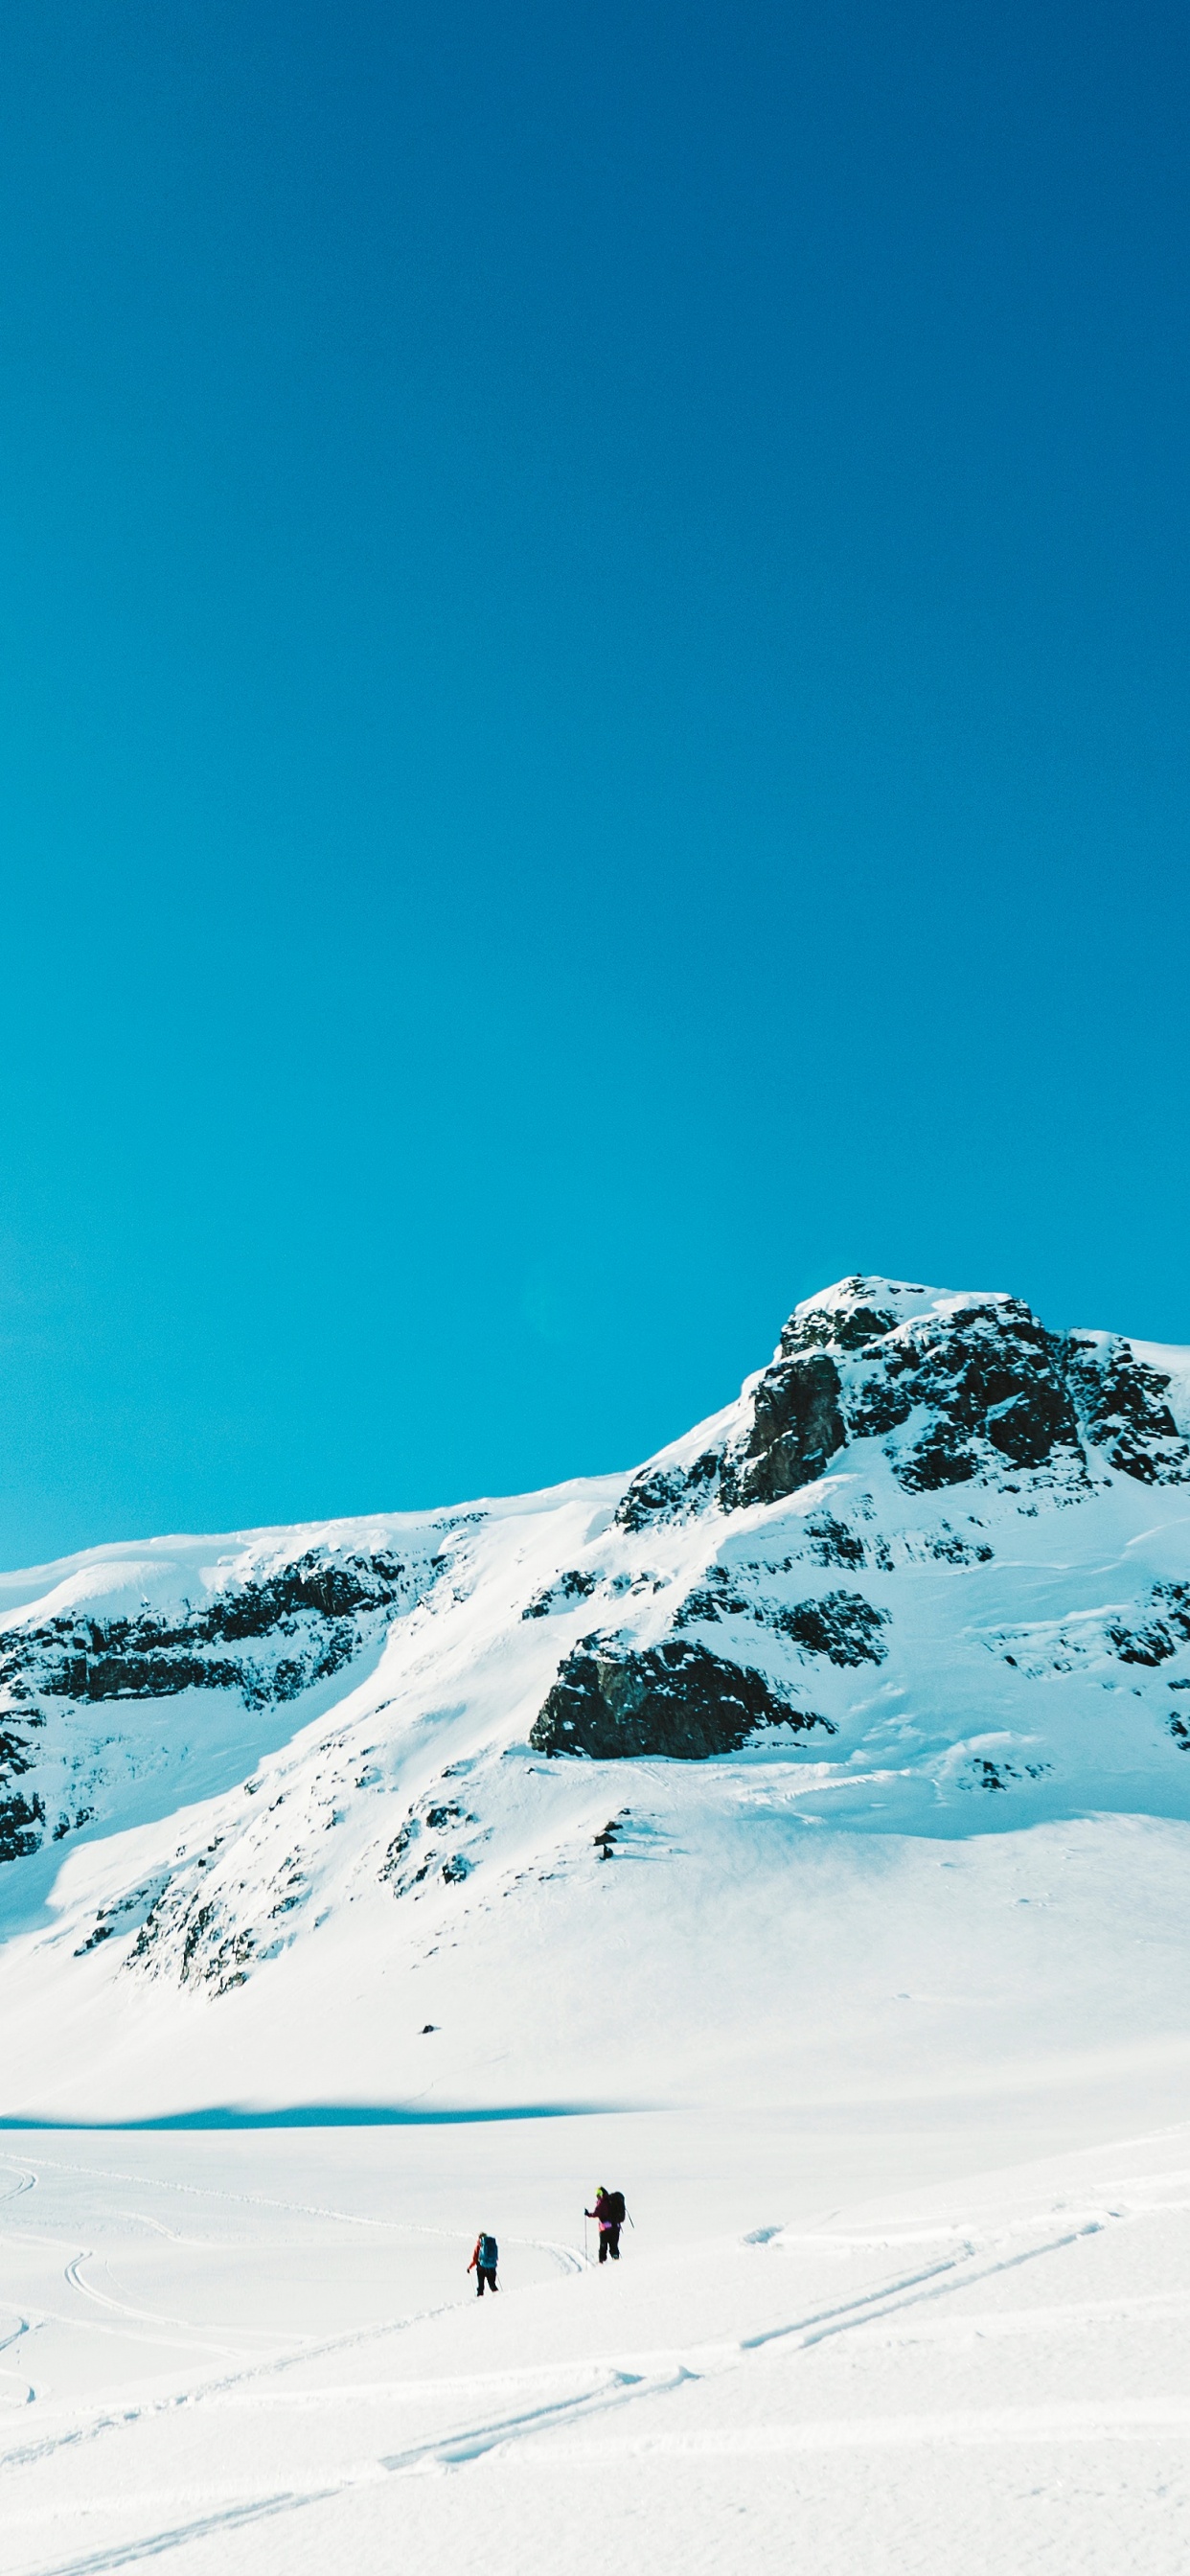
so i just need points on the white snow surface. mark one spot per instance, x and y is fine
(261, 2352)
(883, 2030)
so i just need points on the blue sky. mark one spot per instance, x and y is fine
(593, 719)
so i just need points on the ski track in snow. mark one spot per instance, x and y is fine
(548, 2415)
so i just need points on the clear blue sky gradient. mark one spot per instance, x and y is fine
(593, 718)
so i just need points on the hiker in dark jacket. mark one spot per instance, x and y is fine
(483, 2263)
(609, 2210)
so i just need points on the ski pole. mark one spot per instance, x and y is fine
(586, 2255)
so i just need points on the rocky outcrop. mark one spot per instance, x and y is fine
(21, 1817)
(1161, 1633)
(958, 1390)
(559, 1595)
(797, 1426)
(842, 1625)
(268, 1639)
(674, 1699)
(991, 1383)
(1124, 1406)
(21, 1821)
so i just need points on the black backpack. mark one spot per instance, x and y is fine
(615, 2208)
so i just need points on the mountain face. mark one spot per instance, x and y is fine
(930, 1574)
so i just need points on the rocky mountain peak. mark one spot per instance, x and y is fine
(957, 1387)
(860, 1310)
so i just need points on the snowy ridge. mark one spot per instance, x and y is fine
(928, 1576)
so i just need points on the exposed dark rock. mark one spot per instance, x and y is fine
(950, 1549)
(989, 1373)
(832, 1542)
(114, 1918)
(319, 1601)
(984, 1774)
(569, 1587)
(1162, 1633)
(839, 1624)
(718, 1597)
(839, 1329)
(20, 1817)
(662, 1492)
(881, 1403)
(20, 1822)
(650, 1497)
(939, 1458)
(673, 1699)
(982, 1387)
(1125, 1411)
(796, 1428)
(403, 1837)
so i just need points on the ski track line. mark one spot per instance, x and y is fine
(25, 2182)
(823, 2323)
(1129, 2420)
(128, 2334)
(115, 2419)
(460, 2449)
(938, 2283)
(567, 2257)
(201, 2339)
(120, 2307)
(257, 2368)
(1137, 2420)
(493, 2386)
(457, 2450)
(6, 2372)
(233, 2518)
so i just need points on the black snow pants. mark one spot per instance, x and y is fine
(485, 2276)
(609, 2243)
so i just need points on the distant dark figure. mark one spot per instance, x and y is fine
(483, 2263)
(610, 2212)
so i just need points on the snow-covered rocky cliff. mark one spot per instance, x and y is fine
(928, 1576)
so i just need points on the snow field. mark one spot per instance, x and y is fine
(246, 2353)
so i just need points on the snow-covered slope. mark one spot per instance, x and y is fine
(272, 1804)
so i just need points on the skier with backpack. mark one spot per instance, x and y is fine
(610, 2211)
(483, 2263)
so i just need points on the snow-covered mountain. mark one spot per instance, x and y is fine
(280, 1812)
